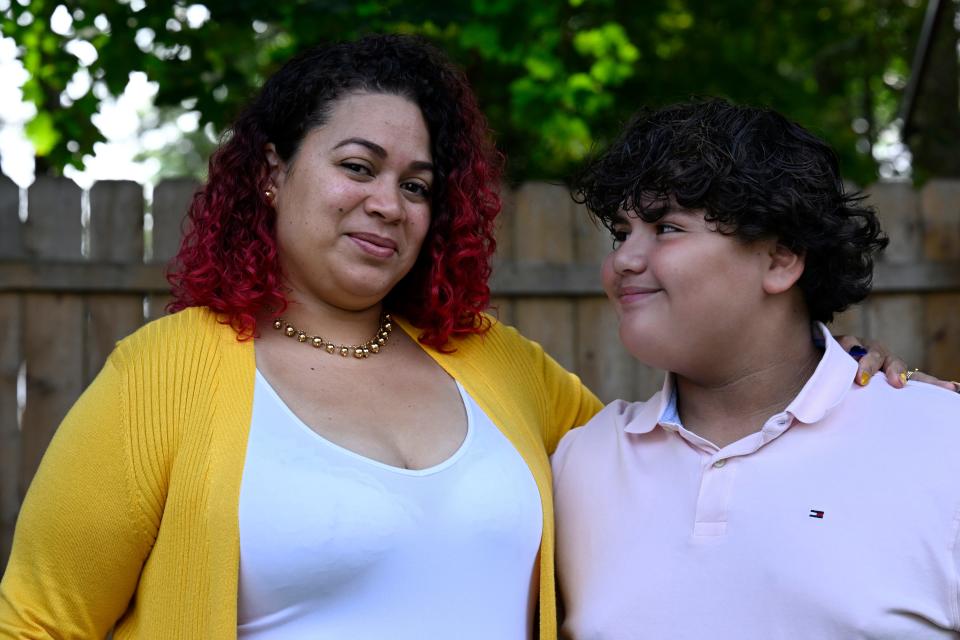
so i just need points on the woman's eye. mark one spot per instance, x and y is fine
(417, 188)
(356, 167)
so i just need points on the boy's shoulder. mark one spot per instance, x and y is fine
(613, 422)
(924, 405)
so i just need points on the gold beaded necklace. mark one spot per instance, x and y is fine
(373, 345)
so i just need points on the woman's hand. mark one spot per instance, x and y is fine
(878, 358)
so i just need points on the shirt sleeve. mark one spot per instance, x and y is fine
(82, 536)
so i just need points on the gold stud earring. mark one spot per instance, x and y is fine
(269, 193)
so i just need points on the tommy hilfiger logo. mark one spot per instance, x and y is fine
(816, 514)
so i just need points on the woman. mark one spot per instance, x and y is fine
(328, 440)
(754, 496)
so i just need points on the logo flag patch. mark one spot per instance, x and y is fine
(816, 514)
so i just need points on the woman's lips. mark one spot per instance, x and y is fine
(374, 245)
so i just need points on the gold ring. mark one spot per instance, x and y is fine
(911, 372)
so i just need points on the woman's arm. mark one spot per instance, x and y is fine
(570, 403)
(82, 536)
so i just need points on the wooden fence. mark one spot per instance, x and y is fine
(72, 282)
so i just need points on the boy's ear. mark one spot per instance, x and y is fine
(784, 269)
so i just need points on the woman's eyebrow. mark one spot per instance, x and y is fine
(363, 142)
(381, 152)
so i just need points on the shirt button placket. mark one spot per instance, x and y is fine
(713, 501)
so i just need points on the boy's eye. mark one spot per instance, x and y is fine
(619, 237)
(665, 227)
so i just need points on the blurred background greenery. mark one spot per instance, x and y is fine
(554, 77)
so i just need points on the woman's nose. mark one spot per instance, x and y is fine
(385, 200)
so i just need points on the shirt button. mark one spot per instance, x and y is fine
(719, 463)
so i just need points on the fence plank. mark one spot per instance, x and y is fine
(602, 362)
(501, 309)
(53, 225)
(11, 244)
(897, 321)
(853, 322)
(940, 207)
(942, 333)
(171, 199)
(116, 235)
(52, 324)
(543, 224)
(543, 233)
(898, 208)
(505, 224)
(552, 323)
(592, 241)
(10, 358)
(52, 330)
(940, 203)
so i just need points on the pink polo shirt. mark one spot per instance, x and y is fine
(839, 519)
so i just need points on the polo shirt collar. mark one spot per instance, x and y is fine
(826, 388)
(829, 384)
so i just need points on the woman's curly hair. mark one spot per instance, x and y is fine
(228, 258)
(755, 175)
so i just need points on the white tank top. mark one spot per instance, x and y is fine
(334, 545)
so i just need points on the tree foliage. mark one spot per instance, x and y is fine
(553, 77)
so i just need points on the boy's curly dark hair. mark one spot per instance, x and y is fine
(755, 175)
(228, 259)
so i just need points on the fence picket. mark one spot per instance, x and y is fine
(171, 200)
(52, 323)
(11, 244)
(10, 358)
(940, 204)
(543, 233)
(116, 235)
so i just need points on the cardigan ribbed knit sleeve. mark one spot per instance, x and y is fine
(136, 449)
(83, 532)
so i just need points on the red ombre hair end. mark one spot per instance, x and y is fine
(228, 260)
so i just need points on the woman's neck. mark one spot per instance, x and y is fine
(751, 387)
(341, 326)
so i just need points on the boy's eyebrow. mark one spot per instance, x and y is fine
(680, 211)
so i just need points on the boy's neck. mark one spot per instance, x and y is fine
(752, 387)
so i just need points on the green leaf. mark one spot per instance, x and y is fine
(42, 133)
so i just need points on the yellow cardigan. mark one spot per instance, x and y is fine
(132, 516)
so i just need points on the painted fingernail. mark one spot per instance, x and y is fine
(857, 352)
(903, 377)
(864, 379)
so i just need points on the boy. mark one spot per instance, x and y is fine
(759, 494)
